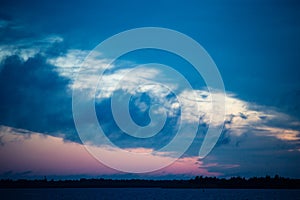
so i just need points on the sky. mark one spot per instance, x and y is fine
(254, 44)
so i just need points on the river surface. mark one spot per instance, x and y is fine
(148, 193)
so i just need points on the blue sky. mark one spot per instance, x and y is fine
(255, 44)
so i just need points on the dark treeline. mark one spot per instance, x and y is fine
(275, 182)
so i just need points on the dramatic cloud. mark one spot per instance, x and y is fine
(257, 153)
(39, 68)
(33, 95)
(47, 81)
(240, 115)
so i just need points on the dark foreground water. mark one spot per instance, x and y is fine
(147, 193)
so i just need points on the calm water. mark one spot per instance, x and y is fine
(147, 193)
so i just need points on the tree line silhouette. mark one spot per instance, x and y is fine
(266, 182)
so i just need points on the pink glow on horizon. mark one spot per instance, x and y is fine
(187, 166)
(48, 155)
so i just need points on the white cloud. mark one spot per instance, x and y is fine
(23, 53)
(26, 49)
(240, 115)
(88, 64)
(69, 64)
(280, 133)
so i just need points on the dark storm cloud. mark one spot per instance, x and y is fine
(34, 97)
(123, 140)
(255, 155)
